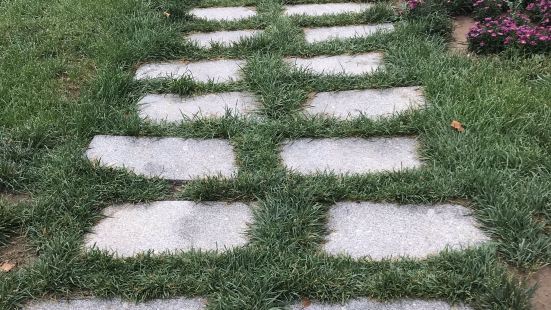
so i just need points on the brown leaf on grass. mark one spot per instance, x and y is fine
(167, 14)
(306, 303)
(457, 126)
(7, 267)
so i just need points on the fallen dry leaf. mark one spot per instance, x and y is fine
(7, 267)
(306, 303)
(457, 126)
(167, 14)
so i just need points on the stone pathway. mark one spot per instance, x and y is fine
(101, 304)
(198, 304)
(224, 13)
(351, 155)
(366, 304)
(171, 226)
(174, 109)
(223, 38)
(382, 230)
(169, 158)
(357, 229)
(218, 71)
(326, 8)
(344, 64)
(370, 103)
(315, 35)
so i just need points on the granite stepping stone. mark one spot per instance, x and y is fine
(384, 230)
(174, 109)
(218, 71)
(367, 304)
(172, 226)
(370, 103)
(326, 9)
(223, 38)
(168, 158)
(315, 35)
(343, 64)
(350, 155)
(223, 13)
(117, 304)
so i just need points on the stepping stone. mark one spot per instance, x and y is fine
(167, 158)
(364, 304)
(326, 9)
(383, 230)
(112, 304)
(223, 13)
(171, 226)
(175, 109)
(219, 71)
(315, 35)
(350, 155)
(224, 38)
(371, 103)
(342, 64)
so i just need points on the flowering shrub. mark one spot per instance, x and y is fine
(526, 26)
(413, 4)
(489, 8)
(540, 12)
(494, 35)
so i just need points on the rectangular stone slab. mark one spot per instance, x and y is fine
(171, 226)
(112, 304)
(350, 155)
(370, 103)
(218, 71)
(343, 64)
(383, 230)
(224, 38)
(223, 13)
(326, 9)
(315, 35)
(173, 108)
(168, 158)
(366, 304)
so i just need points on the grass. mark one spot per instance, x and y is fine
(67, 75)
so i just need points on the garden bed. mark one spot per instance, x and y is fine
(521, 25)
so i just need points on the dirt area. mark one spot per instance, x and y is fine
(542, 297)
(461, 27)
(15, 198)
(16, 253)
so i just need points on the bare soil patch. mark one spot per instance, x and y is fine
(542, 296)
(461, 27)
(15, 198)
(17, 252)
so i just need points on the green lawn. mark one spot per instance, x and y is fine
(66, 74)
